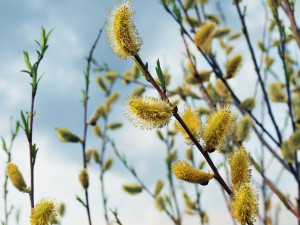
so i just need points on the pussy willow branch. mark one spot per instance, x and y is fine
(291, 16)
(245, 31)
(170, 177)
(215, 67)
(282, 57)
(179, 119)
(116, 217)
(29, 137)
(289, 103)
(103, 149)
(196, 75)
(282, 198)
(187, 16)
(137, 177)
(85, 125)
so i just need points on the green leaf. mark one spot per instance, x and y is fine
(10, 210)
(177, 12)
(160, 75)
(25, 123)
(26, 58)
(4, 144)
(80, 200)
(35, 150)
(43, 34)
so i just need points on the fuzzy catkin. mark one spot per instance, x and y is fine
(243, 128)
(244, 206)
(147, 112)
(132, 189)
(121, 33)
(219, 125)
(192, 120)
(16, 177)
(184, 171)
(203, 37)
(65, 135)
(239, 162)
(44, 212)
(233, 65)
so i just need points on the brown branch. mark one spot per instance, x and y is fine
(179, 119)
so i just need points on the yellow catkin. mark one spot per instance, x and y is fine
(94, 117)
(295, 140)
(96, 156)
(61, 209)
(243, 128)
(269, 61)
(112, 98)
(274, 4)
(16, 177)
(221, 89)
(147, 112)
(203, 2)
(218, 128)
(192, 119)
(184, 171)
(65, 135)
(235, 36)
(288, 152)
(138, 91)
(108, 164)
(244, 206)
(193, 20)
(121, 32)
(171, 157)
(160, 203)
(88, 154)
(213, 18)
(44, 212)
(83, 178)
(188, 4)
(233, 65)
(189, 154)
(204, 75)
(114, 126)
(111, 76)
(239, 162)
(101, 84)
(248, 103)
(158, 187)
(261, 46)
(221, 32)
(97, 130)
(277, 93)
(202, 164)
(203, 37)
(132, 189)
(191, 205)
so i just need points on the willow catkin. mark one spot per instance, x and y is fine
(147, 112)
(44, 212)
(184, 171)
(121, 33)
(192, 120)
(65, 135)
(277, 93)
(132, 189)
(16, 177)
(248, 104)
(204, 36)
(233, 65)
(158, 187)
(219, 126)
(243, 128)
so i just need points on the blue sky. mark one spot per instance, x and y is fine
(75, 25)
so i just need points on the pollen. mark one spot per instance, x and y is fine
(121, 33)
(192, 119)
(16, 177)
(147, 112)
(240, 167)
(219, 126)
(184, 171)
(43, 213)
(244, 206)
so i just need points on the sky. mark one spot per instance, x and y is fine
(75, 25)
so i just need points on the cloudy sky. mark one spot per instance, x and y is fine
(75, 26)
